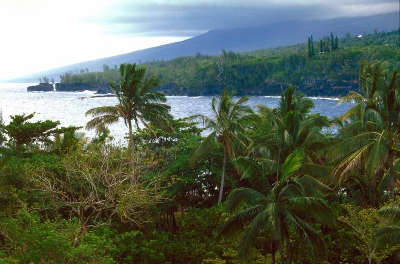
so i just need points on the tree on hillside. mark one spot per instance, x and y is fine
(311, 51)
(137, 102)
(2, 136)
(336, 43)
(332, 40)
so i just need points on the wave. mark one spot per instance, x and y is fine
(176, 96)
(311, 97)
(265, 96)
(273, 96)
(324, 98)
(85, 92)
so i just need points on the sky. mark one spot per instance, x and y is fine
(38, 35)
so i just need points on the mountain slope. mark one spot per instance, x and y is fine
(242, 39)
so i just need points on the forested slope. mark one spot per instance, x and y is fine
(327, 71)
(268, 72)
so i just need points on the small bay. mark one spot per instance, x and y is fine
(69, 107)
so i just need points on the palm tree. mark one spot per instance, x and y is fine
(386, 238)
(275, 133)
(389, 233)
(369, 136)
(227, 126)
(137, 102)
(296, 127)
(293, 203)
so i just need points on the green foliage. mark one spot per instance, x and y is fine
(295, 193)
(30, 240)
(369, 134)
(227, 128)
(105, 77)
(137, 102)
(16, 180)
(269, 72)
(27, 239)
(332, 72)
(22, 132)
(311, 51)
(188, 183)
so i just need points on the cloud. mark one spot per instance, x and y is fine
(188, 18)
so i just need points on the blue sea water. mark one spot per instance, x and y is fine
(69, 108)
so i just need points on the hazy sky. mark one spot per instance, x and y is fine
(42, 34)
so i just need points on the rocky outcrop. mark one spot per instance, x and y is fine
(172, 89)
(71, 87)
(328, 88)
(41, 87)
(80, 87)
(104, 89)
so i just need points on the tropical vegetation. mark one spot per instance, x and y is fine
(262, 185)
(332, 70)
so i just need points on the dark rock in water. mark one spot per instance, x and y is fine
(80, 87)
(172, 89)
(104, 89)
(41, 87)
(73, 87)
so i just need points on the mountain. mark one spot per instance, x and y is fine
(240, 39)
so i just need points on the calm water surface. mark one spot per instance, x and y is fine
(69, 108)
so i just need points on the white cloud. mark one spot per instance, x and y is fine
(47, 35)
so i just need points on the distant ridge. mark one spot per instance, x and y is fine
(239, 39)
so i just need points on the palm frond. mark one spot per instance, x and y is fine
(314, 206)
(102, 110)
(387, 236)
(203, 148)
(251, 232)
(292, 164)
(391, 213)
(243, 196)
(101, 121)
(239, 220)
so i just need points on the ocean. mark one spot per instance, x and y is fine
(69, 107)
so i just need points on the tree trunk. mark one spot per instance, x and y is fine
(370, 256)
(130, 140)
(221, 188)
(288, 253)
(283, 253)
(391, 174)
(136, 123)
(82, 231)
(273, 256)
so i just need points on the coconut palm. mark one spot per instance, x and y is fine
(296, 127)
(369, 136)
(386, 238)
(389, 233)
(137, 102)
(275, 133)
(227, 128)
(289, 208)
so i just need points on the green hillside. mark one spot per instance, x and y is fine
(269, 71)
(328, 72)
